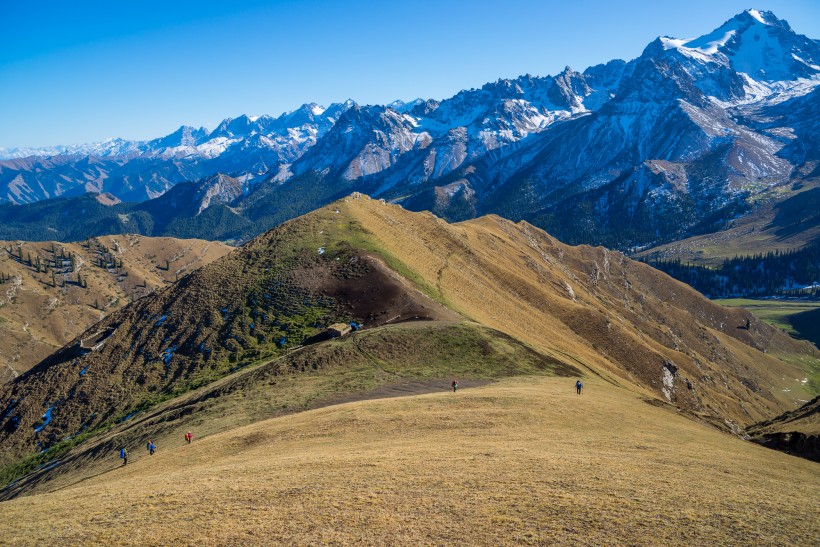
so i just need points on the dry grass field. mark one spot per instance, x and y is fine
(522, 461)
(300, 444)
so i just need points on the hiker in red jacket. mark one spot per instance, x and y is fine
(188, 437)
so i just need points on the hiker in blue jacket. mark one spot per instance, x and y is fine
(578, 387)
(124, 456)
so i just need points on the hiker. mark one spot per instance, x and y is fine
(188, 437)
(124, 456)
(454, 385)
(748, 324)
(578, 387)
(151, 447)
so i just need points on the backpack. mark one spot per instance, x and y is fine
(122, 453)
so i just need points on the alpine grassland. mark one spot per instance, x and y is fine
(524, 460)
(305, 438)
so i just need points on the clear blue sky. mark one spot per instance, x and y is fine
(77, 71)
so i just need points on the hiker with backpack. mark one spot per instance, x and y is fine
(578, 387)
(454, 385)
(188, 437)
(124, 456)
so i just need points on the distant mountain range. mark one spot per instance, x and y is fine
(673, 143)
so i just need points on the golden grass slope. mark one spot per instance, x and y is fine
(36, 317)
(596, 308)
(393, 360)
(522, 461)
(586, 307)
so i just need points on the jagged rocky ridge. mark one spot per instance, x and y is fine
(626, 153)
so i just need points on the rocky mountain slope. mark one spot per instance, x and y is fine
(135, 171)
(368, 262)
(673, 143)
(789, 222)
(678, 148)
(51, 292)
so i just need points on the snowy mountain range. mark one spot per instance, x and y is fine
(623, 153)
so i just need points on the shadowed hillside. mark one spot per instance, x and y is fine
(51, 292)
(795, 432)
(781, 220)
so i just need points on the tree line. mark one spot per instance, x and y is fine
(791, 273)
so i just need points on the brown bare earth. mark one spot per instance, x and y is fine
(37, 317)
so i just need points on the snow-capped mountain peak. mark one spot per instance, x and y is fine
(682, 101)
(755, 43)
(763, 17)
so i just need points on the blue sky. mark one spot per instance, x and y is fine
(74, 72)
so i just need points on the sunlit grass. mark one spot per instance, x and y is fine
(523, 461)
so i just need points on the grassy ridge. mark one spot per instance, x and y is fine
(524, 461)
(387, 361)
